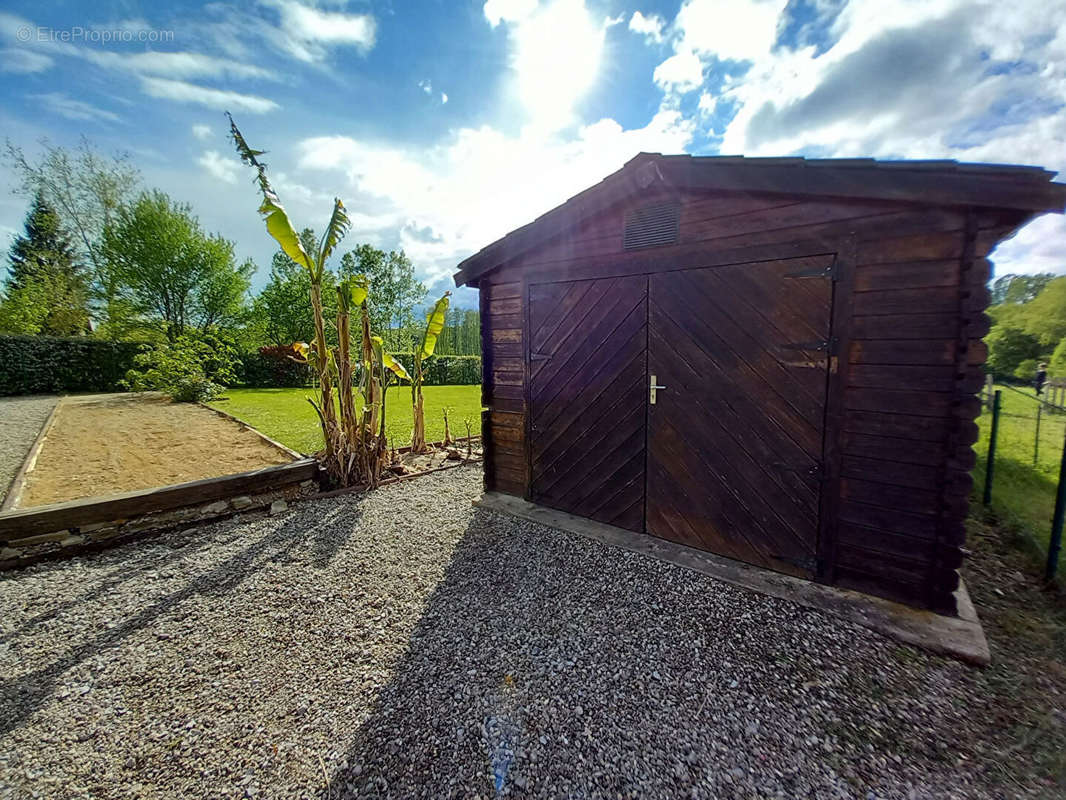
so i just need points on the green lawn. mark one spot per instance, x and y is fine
(1023, 491)
(285, 414)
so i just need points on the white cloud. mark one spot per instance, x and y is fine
(170, 65)
(730, 29)
(201, 132)
(443, 98)
(306, 33)
(70, 108)
(497, 11)
(426, 86)
(1036, 248)
(22, 61)
(708, 103)
(681, 72)
(650, 27)
(461, 195)
(225, 169)
(223, 100)
(556, 56)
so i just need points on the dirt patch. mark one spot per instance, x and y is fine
(102, 447)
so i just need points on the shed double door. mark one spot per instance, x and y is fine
(727, 458)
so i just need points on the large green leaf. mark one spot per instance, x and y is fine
(280, 227)
(352, 291)
(387, 359)
(434, 325)
(336, 229)
(277, 219)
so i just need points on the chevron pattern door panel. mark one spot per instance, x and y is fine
(588, 398)
(735, 438)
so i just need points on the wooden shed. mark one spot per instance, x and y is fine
(772, 359)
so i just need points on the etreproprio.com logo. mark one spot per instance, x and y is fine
(38, 33)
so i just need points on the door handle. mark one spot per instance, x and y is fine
(653, 388)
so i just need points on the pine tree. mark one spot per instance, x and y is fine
(46, 289)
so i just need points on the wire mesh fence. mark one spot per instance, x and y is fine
(1022, 462)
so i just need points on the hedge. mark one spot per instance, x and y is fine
(271, 367)
(446, 370)
(46, 365)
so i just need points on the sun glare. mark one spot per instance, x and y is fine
(557, 59)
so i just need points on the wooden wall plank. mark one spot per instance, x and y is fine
(908, 275)
(905, 326)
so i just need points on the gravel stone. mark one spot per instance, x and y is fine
(403, 644)
(21, 419)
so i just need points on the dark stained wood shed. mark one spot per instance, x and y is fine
(814, 328)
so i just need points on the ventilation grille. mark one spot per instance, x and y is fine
(652, 226)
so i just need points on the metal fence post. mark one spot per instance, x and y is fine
(990, 464)
(1036, 439)
(1055, 545)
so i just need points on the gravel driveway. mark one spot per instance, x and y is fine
(406, 645)
(21, 419)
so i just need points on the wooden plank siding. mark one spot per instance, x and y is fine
(503, 387)
(909, 322)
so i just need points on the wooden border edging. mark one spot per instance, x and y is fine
(287, 450)
(960, 637)
(14, 489)
(24, 522)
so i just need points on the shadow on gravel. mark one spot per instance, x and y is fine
(513, 677)
(20, 697)
(119, 575)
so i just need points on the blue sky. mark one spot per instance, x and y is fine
(443, 125)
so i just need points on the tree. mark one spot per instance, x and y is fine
(395, 289)
(1057, 367)
(1019, 288)
(168, 269)
(1045, 315)
(47, 290)
(87, 189)
(462, 335)
(1008, 347)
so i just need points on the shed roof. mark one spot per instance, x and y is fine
(934, 183)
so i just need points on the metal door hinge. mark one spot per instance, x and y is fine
(539, 356)
(818, 272)
(828, 346)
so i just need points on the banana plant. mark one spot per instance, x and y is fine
(390, 369)
(435, 320)
(354, 448)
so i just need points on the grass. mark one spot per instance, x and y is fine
(285, 414)
(1023, 491)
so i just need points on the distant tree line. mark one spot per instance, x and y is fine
(104, 257)
(1029, 326)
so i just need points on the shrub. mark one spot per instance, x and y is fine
(190, 369)
(274, 367)
(47, 365)
(1026, 371)
(1008, 347)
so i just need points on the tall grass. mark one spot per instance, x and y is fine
(1022, 491)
